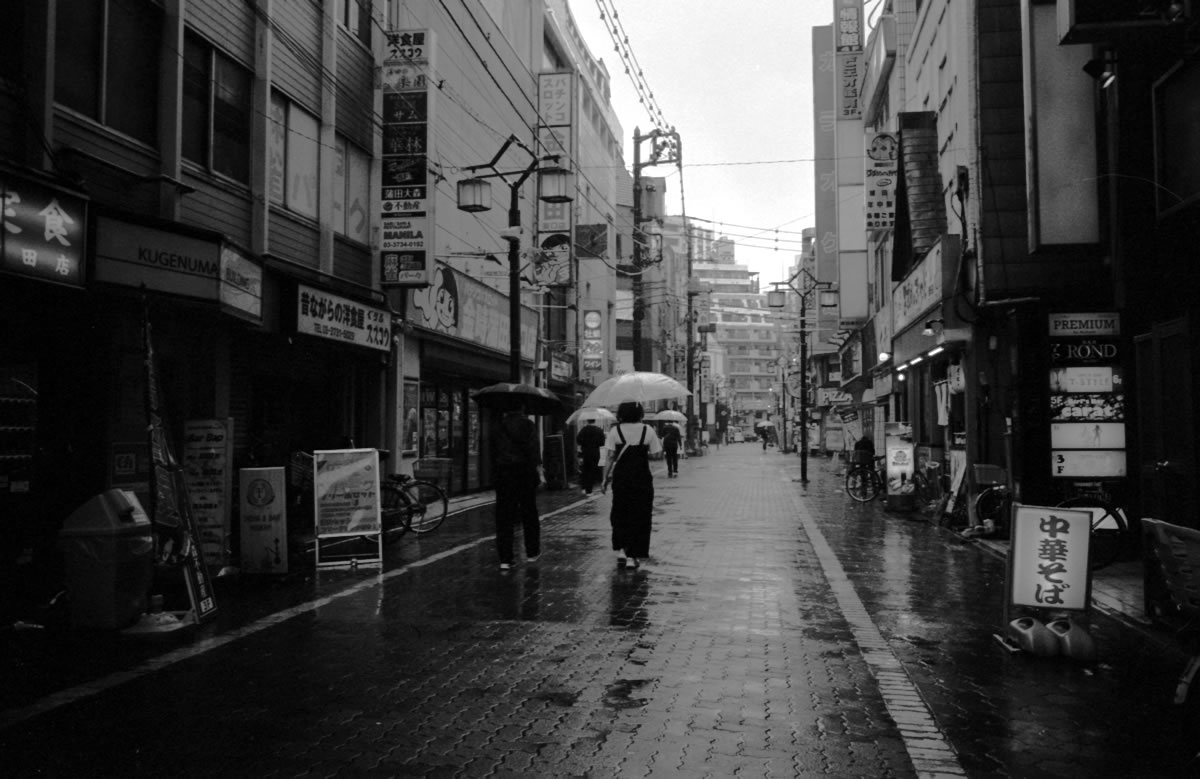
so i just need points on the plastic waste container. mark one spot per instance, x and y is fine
(108, 553)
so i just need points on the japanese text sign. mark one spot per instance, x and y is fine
(406, 194)
(42, 231)
(346, 491)
(1048, 561)
(339, 319)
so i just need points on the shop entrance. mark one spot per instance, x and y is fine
(1166, 424)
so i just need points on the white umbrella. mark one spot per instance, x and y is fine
(671, 415)
(640, 386)
(582, 415)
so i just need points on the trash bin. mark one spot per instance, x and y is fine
(108, 552)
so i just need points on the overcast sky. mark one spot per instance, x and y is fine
(735, 80)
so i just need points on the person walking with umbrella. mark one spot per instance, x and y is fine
(590, 441)
(516, 458)
(670, 440)
(629, 446)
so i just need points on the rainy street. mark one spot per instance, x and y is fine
(773, 632)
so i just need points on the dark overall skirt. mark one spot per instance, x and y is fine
(633, 499)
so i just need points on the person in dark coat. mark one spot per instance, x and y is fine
(629, 445)
(516, 458)
(670, 441)
(590, 441)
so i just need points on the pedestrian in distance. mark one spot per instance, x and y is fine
(629, 445)
(517, 474)
(590, 441)
(670, 441)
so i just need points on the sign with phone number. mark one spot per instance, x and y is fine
(340, 319)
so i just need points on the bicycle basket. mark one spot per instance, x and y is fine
(989, 475)
(860, 457)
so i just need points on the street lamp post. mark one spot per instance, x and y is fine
(474, 195)
(777, 298)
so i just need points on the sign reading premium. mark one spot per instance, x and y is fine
(42, 231)
(406, 203)
(1087, 396)
(339, 319)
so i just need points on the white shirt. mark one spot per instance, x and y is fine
(633, 434)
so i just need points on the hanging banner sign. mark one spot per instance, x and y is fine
(1048, 559)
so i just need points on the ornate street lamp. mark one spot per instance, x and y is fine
(474, 196)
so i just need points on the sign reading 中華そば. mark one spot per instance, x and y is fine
(1048, 560)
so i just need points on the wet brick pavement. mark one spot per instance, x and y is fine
(774, 632)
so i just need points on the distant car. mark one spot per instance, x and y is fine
(738, 436)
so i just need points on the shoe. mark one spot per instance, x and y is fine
(505, 566)
(620, 562)
(633, 562)
(532, 558)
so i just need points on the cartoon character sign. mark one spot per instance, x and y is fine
(552, 266)
(437, 305)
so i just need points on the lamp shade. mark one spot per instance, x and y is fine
(474, 195)
(776, 298)
(554, 185)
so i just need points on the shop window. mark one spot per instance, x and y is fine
(293, 147)
(352, 192)
(106, 63)
(216, 110)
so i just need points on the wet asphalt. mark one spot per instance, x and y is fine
(776, 631)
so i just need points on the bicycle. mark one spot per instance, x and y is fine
(405, 503)
(929, 488)
(408, 504)
(863, 480)
(1109, 533)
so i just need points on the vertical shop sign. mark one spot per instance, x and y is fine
(407, 195)
(554, 260)
(882, 171)
(208, 473)
(1048, 560)
(263, 513)
(42, 231)
(593, 342)
(824, 67)
(1087, 396)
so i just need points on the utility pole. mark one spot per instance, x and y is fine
(665, 143)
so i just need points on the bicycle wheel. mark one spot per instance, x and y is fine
(862, 484)
(1110, 531)
(428, 506)
(394, 511)
(992, 504)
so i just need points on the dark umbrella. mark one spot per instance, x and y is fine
(507, 396)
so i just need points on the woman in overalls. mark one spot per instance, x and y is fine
(628, 446)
